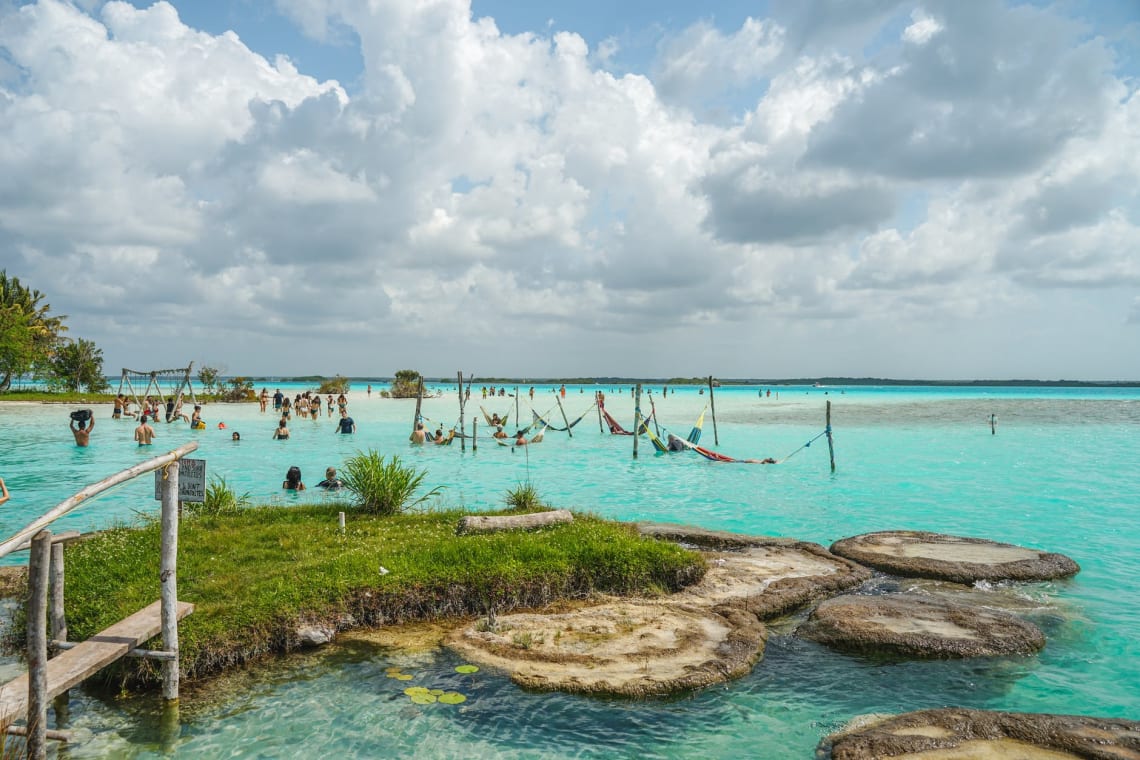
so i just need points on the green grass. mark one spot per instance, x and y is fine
(255, 573)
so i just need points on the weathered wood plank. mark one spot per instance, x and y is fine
(487, 524)
(88, 657)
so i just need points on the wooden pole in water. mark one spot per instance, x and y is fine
(712, 405)
(474, 433)
(993, 424)
(598, 406)
(168, 576)
(58, 624)
(565, 421)
(38, 566)
(419, 402)
(830, 443)
(462, 432)
(516, 405)
(636, 418)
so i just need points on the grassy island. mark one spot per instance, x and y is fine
(258, 573)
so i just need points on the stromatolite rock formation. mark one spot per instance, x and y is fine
(918, 626)
(918, 554)
(960, 734)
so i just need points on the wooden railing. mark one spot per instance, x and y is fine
(46, 678)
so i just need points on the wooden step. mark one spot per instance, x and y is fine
(71, 667)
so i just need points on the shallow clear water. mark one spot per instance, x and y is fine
(1061, 474)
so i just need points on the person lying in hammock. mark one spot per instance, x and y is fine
(499, 433)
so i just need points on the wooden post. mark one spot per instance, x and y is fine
(462, 432)
(58, 619)
(993, 424)
(565, 421)
(474, 433)
(38, 573)
(169, 577)
(712, 405)
(419, 402)
(598, 405)
(340, 522)
(636, 418)
(830, 443)
(59, 627)
(516, 405)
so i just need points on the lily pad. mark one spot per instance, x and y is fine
(402, 677)
(452, 698)
(467, 669)
(437, 692)
(412, 691)
(423, 699)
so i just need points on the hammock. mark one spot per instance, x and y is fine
(617, 429)
(715, 456)
(538, 418)
(502, 420)
(695, 433)
(510, 442)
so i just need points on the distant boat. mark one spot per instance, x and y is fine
(817, 385)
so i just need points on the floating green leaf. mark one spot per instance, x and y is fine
(423, 699)
(402, 677)
(452, 698)
(466, 669)
(412, 691)
(437, 692)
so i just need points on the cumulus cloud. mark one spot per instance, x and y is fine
(480, 186)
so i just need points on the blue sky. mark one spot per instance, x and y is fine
(828, 187)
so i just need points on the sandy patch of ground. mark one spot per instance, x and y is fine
(960, 734)
(919, 554)
(623, 647)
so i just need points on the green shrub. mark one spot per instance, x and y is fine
(383, 487)
(524, 498)
(220, 500)
(338, 384)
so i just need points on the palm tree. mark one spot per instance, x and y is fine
(46, 328)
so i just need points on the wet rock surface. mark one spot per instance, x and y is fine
(960, 734)
(919, 626)
(959, 559)
(622, 647)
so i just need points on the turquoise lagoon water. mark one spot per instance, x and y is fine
(1061, 474)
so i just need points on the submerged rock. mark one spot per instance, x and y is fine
(623, 647)
(919, 554)
(960, 734)
(315, 635)
(917, 626)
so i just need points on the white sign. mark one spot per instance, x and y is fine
(191, 480)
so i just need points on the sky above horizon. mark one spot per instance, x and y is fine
(790, 188)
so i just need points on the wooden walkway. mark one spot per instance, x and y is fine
(70, 667)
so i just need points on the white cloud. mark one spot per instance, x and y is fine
(979, 167)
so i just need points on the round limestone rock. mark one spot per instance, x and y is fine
(918, 626)
(959, 734)
(629, 648)
(772, 578)
(918, 554)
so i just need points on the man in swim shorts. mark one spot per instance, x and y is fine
(144, 433)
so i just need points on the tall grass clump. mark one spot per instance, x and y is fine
(220, 499)
(524, 498)
(383, 487)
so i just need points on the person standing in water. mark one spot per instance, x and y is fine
(81, 431)
(144, 433)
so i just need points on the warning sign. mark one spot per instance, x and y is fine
(191, 480)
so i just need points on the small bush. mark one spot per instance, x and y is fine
(220, 500)
(383, 487)
(524, 498)
(338, 384)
